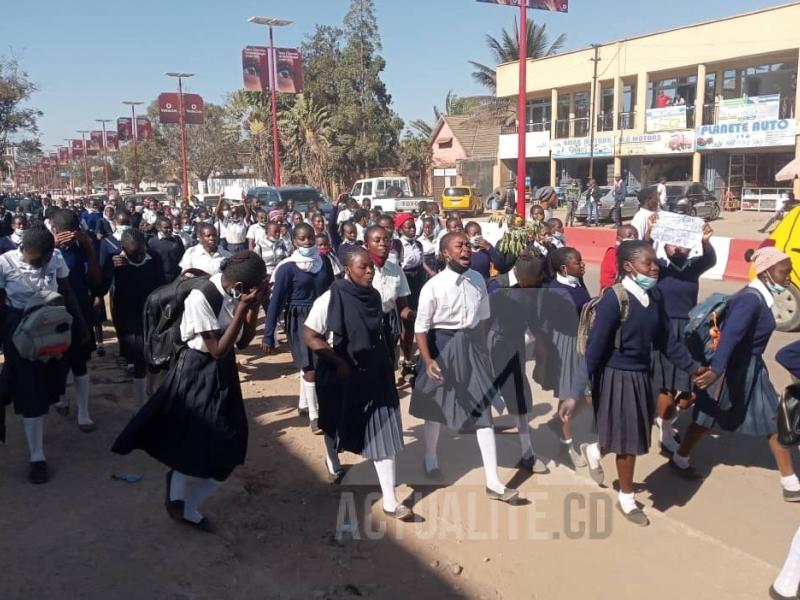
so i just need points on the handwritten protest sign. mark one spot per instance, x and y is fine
(678, 230)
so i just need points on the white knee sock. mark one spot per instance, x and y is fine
(593, 455)
(430, 431)
(34, 433)
(627, 502)
(311, 398)
(790, 483)
(524, 430)
(331, 456)
(386, 477)
(303, 400)
(488, 448)
(789, 578)
(62, 401)
(82, 395)
(177, 487)
(139, 391)
(202, 490)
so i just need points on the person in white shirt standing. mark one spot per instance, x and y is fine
(206, 256)
(661, 188)
(648, 206)
(454, 385)
(234, 229)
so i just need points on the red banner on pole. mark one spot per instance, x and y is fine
(168, 104)
(552, 5)
(63, 154)
(125, 129)
(112, 140)
(255, 68)
(95, 142)
(77, 148)
(289, 71)
(144, 129)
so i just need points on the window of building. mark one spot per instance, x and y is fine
(563, 106)
(562, 116)
(674, 91)
(605, 120)
(539, 113)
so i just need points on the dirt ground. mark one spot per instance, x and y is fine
(282, 531)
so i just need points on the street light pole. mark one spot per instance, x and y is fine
(273, 85)
(69, 161)
(134, 135)
(182, 122)
(88, 186)
(105, 155)
(522, 120)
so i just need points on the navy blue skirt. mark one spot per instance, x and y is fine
(463, 400)
(303, 358)
(667, 376)
(234, 248)
(742, 400)
(32, 386)
(508, 368)
(624, 410)
(195, 423)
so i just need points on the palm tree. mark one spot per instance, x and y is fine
(306, 136)
(454, 105)
(506, 49)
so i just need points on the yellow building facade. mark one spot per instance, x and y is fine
(713, 103)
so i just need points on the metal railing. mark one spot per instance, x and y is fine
(529, 128)
(627, 120)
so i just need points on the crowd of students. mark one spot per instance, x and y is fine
(355, 292)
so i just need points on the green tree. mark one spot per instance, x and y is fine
(15, 91)
(453, 105)
(506, 49)
(414, 160)
(306, 139)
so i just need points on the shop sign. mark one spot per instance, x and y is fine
(747, 134)
(665, 142)
(452, 172)
(581, 147)
(664, 119)
(537, 145)
(751, 108)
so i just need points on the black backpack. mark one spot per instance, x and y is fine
(163, 310)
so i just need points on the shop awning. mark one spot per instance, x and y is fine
(789, 172)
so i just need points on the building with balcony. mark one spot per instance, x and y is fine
(713, 102)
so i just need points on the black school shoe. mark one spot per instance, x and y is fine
(204, 525)
(174, 507)
(37, 472)
(791, 496)
(776, 596)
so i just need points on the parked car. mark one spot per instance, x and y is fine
(390, 194)
(302, 195)
(142, 196)
(209, 201)
(786, 237)
(690, 198)
(606, 205)
(464, 199)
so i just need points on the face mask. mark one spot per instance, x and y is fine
(559, 237)
(123, 228)
(409, 239)
(175, 212)
(186, 229)
(645, 282)
(235, 293)
(262, 225)
(325, 251)
(237, 218)
(309, 252)
(571, 279)
(773, 287)
(679, 261)
(457, 267)
(226, 213)
(473, 241)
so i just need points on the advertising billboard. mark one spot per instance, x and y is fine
(168, 112)
(144, 129)
(77, 148)
(112, 140)
(552, 5)
(664, 119)
(750, 108)
(665, 142)
(125, 129)
(256, 68)
(747, 134)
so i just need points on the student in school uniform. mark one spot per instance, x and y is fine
(206, 256)
(349, 241)
(789, 358)
(359, 404)
(621, 373)
(77, 249)
(484, 257)
(296, 282)
(391, 283)
(454, 385)
(427, 240)
(174, 426)
(453, 224)
(11, 242)
(257, 230)
(514, 300)
(679, 283)
(395, 246)
(168, 248)
(736, 393)
(608, 266)
(416, 273)
(235, 227)
(563, 364)
(32, 386)
(323, 242)
(648, 206)
(136, 274)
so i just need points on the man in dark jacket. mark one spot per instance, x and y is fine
(620, 191)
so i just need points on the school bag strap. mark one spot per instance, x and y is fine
(589, 313)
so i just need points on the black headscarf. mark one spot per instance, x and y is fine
(355, 317)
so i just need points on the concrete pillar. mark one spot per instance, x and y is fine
(618, 91)
(641, 101)
(571, 114)
(617, 165)
(697, 163)
(553, 112)
(697, 159)
(553, 172)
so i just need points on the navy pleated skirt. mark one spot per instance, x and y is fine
(667, 376)
(743, 400)
(463, 400)
(195, 423)
(508, 370)
(624, 410)
(296, 316)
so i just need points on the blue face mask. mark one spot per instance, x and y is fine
(309, 252)
(645, 282)
(773, 287)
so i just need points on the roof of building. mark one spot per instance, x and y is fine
(478, 136)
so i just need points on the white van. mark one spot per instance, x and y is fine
(382, 191)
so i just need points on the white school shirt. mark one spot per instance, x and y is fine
(758, 285)
(343, 216)
(317, 319)
(233, 232)
(636, 291)
(15, 275)
(429, 247)
(255, 232)
(452, 301)
(391, 283)
(197, 258)
(662, 194)
(360, 231)
(639, 221)
(412, 254)
(198, 316)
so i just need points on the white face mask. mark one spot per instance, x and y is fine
(571, 279)
(226, 213)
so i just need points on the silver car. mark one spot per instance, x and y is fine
(606, 205)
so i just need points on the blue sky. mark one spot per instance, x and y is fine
(89, 58)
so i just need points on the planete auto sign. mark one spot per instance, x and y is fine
(665, 142)
(747, 134)
(581, 147)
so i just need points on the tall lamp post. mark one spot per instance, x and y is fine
(184, 162)
(133, 104)
(69, 161)
(105, 155)
(88, 182)
(273, 84)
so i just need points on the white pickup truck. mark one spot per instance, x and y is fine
(390, 194)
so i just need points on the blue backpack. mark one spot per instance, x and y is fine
(703, 331)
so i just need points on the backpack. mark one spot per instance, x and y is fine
(703, 331)
(162, 314)
(45, 331)
(589, 313)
